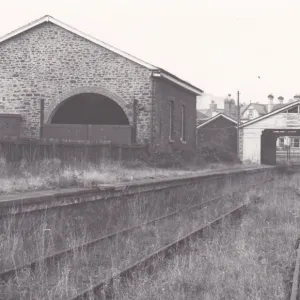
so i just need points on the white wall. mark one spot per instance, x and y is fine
(252, 145)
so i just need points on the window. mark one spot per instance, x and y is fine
(296, 142)
(293, 110)
(183, 123)
(250, 113)
(281, 142)
(171, 119)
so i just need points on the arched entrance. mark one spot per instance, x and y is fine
(89, 116)
(89, 108)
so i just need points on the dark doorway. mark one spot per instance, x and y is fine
(270, 152)
(89, 108)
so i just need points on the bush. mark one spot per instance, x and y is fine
(213, 152)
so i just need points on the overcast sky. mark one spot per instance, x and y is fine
(219, 46)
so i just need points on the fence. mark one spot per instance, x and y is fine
(69, 151)
(288, 155)
(116, 134)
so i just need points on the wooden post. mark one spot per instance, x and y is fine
(42, 108)
(120, 153)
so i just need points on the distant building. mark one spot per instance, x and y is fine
(220, 131)
(230, 109)
(255, 110)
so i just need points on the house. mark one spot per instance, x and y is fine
(221, 131)
(59, 80)
(230, 109)
(255, 110)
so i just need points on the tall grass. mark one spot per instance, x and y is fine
(252, 260)
(85, 268)
(53, 174)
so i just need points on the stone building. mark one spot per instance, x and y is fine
(55, 76)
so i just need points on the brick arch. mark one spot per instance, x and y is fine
(53, 106)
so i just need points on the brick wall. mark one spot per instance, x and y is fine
(164, 92)
(50, 63)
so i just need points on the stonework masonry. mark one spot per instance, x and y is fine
(48, 62)
(51, 63)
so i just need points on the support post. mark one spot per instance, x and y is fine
(42, 108)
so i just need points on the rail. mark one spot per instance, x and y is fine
(104, 288)
(4, 276)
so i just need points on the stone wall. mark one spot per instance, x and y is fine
(51, 63)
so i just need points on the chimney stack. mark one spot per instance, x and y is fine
(296, 97)
(270, 104)
(229, 106)
(280, 99)
(213, 105)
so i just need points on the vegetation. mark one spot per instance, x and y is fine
(53, 174)
(84, 268)
(252, 260)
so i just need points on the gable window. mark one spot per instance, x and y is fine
(183, 123)
(171, 120)
(250, 113)
(296, 142)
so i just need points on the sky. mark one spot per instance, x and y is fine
(220, 46)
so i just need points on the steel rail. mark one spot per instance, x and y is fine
(4, 276)
(33, 265)
(104, 289)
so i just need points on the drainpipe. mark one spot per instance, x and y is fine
(42, 105)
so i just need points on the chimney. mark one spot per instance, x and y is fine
(296, 97)
(280, 99)
(229, 106)
(213, 105)
(270, 103)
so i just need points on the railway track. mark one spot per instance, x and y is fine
(104, 287)
(104, 290)
(49, 260)
(296, 278)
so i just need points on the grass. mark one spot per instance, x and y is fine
(253, 260)
(52, 174)
(83, 268)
